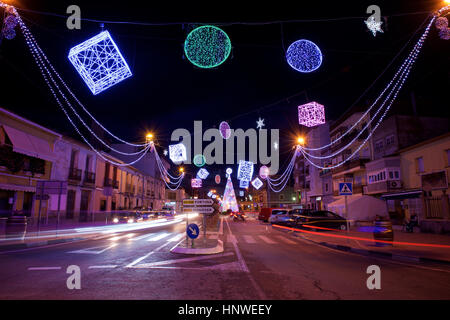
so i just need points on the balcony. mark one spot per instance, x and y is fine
(107, 182)
(89, 178)
(115, 184)
(383, 187)
(74, 175)
(352, 164)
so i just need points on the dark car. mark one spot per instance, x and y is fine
(144, 212)
(320, 220)
(126, 217)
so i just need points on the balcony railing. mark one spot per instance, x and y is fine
(107, 182)
(350, 165)
(75, 174)
(115, 184)
(89, 177)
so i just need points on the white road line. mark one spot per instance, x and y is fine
(244, 267)
(43, 268)
(286, 240)
(142, 237)
(267, 240)
(159, 237)
(120, 237)
(176, 238)
(147, 255)
(249, 239)
(90, 251)
(112, 266)
(173, 261)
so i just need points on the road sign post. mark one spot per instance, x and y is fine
(46, 188)
(202, 206)
(346, 189)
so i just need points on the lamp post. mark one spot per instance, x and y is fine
(301, 143)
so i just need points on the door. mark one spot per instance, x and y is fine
(70, 204)
(84, 205)
(27, 203)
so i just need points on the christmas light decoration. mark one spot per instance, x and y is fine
(202, 173)
(243, 184)
(229, 171)
(304, 56)
(260, 123)
(196, 183)
(210, 194)
(165, 152)
(217, 179)
(245, 170)
(241, 193)
(177, 153)
(207, 46)
(199, 160)
(214, 196)
(99, 62)
(441, 23)
(373, 25)
(264, 172)
(229, 197)
(224, 129)
(9, 33)
(311, 114)
(257, 183)
(10, 22)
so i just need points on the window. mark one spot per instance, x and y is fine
(281, 197)
(390, 140)
(397, 174)
(419, 165)
(379, 146)
(391, 175)
(448, 157)
(326, 187)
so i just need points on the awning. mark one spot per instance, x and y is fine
(410, 194)
(341, 201)
(16, 187)
(29, 145)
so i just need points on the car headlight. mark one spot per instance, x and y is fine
(130, 220)
(115, 220)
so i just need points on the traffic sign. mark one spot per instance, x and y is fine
(193, 231)
(345, 189)
(199, 209)
(197, 202)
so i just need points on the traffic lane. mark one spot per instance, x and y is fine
(15, 267)
(309, 271)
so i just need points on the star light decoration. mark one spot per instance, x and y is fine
(177, 153)
(202, 173)
(260, 123)
(311, 114)
(207, 47)
(196, 183)
(373, 25)
(99, 62)
(257, 183)
(245, 170)
(304, 56)
(165, 152)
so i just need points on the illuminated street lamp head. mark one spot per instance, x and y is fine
(301, 141)
(181, 169)
(149, 137)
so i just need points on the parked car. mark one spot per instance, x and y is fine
(320, 219)
(126, 217)
(144, 212)
(281, 217)
(266, 213)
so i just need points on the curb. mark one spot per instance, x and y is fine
(217, 249)
(385, 255)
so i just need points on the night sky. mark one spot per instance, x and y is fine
(167, 92)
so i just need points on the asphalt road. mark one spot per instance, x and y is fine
(258, 263)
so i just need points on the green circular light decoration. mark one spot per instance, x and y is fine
(207, 47)
(199, 160)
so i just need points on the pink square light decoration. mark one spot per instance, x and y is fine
(196, 183)
(311, 114)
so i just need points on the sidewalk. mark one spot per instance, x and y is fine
(419, 247)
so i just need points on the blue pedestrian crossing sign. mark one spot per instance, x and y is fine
(345, 189)
(192, 231)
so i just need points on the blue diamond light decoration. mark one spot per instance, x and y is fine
(257, 183)
(99, 62)
(202, 173)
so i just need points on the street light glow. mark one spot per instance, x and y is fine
(301, 141)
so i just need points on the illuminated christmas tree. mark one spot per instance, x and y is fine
(229, 198)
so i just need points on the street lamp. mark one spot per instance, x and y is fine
(181, 169)
(149, 137)
(301, 141)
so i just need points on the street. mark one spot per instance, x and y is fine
(258, 262)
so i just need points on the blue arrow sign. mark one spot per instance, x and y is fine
(192, 231)
(345, 189)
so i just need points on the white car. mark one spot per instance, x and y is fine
(280, 217)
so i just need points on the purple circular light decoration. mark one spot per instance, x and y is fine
(11, 22)
(444, 34)
(9, 33)
(304, 56)
(441, 23)
(225, 130)
(264, 172)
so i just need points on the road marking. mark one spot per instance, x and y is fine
(142, 237)
(286, 240)
(244, 267)
(173, 261)
(249, 239)
(159, 237)
(131, 265)
(267, 240)
(120, 237)
(112, 266)
(176, 238)
(43, 268)
(90, 251)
